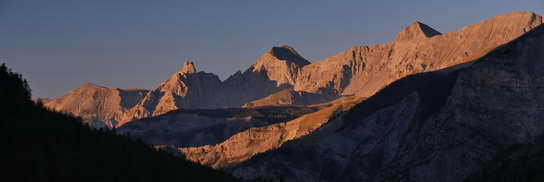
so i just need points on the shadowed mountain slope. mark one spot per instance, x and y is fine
(359, 71)
(437, 126)
(514, 163)
(291, 97)
(43, 145)
(197, 127)
(248, 143)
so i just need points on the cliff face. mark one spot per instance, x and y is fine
(281, 64)
(436, 107)
(363, 70)
(248, 143)
(359, 71)
(438, 126)
(97, 105)
(187, 88)
(291, 97)
(274, 70)
(197, 127)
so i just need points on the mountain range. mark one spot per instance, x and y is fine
(425, 107)
(281, 76)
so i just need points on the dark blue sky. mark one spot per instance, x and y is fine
(60, 44)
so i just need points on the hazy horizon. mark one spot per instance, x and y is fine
(60, 45)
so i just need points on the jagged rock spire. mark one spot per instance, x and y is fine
(188, 68)
(416, 30)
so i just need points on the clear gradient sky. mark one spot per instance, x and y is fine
(60, 44)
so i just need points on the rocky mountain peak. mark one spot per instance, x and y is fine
(416, 30)
(284, 53)
(281, 64)
(360, 71)
(188, 68)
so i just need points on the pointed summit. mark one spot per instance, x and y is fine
(416, 30)
(287, 53)
(188, 68)
(281, 64)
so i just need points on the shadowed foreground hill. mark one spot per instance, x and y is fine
(516, 163)
(41, 145)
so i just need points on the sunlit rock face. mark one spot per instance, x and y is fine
(363, 70)
(437, 126)
(359, 71)
(97, 105)
(188, 88)
(197, 127)
(246, 144)
(424, 107)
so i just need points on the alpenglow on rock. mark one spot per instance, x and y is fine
(438, 126)
(188, 68)
(359, 71)
(187, 88)
(426, 107)
(415, 31)
(385, 136)
(97, 105)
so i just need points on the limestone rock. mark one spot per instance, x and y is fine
(438, 126)
(281, 64)
(185, 89)
(359, 71)
(416, 31)
(246, 144)
(188, 68)
(97, 105)
(290, 97)
(363, 70)
(197, 127)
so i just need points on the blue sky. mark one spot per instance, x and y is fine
(60, 44)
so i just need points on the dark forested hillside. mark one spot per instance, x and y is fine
(42, 145)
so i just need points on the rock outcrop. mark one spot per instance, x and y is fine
(187, 88)
(275, 70)
(436, 126)
(248, 143)
(417, 31)
(360, 71)
(197, 127)
(363, 70)
(281, 64)
(432, 126)
(290, 97)
(436, 107)
(97, 105)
